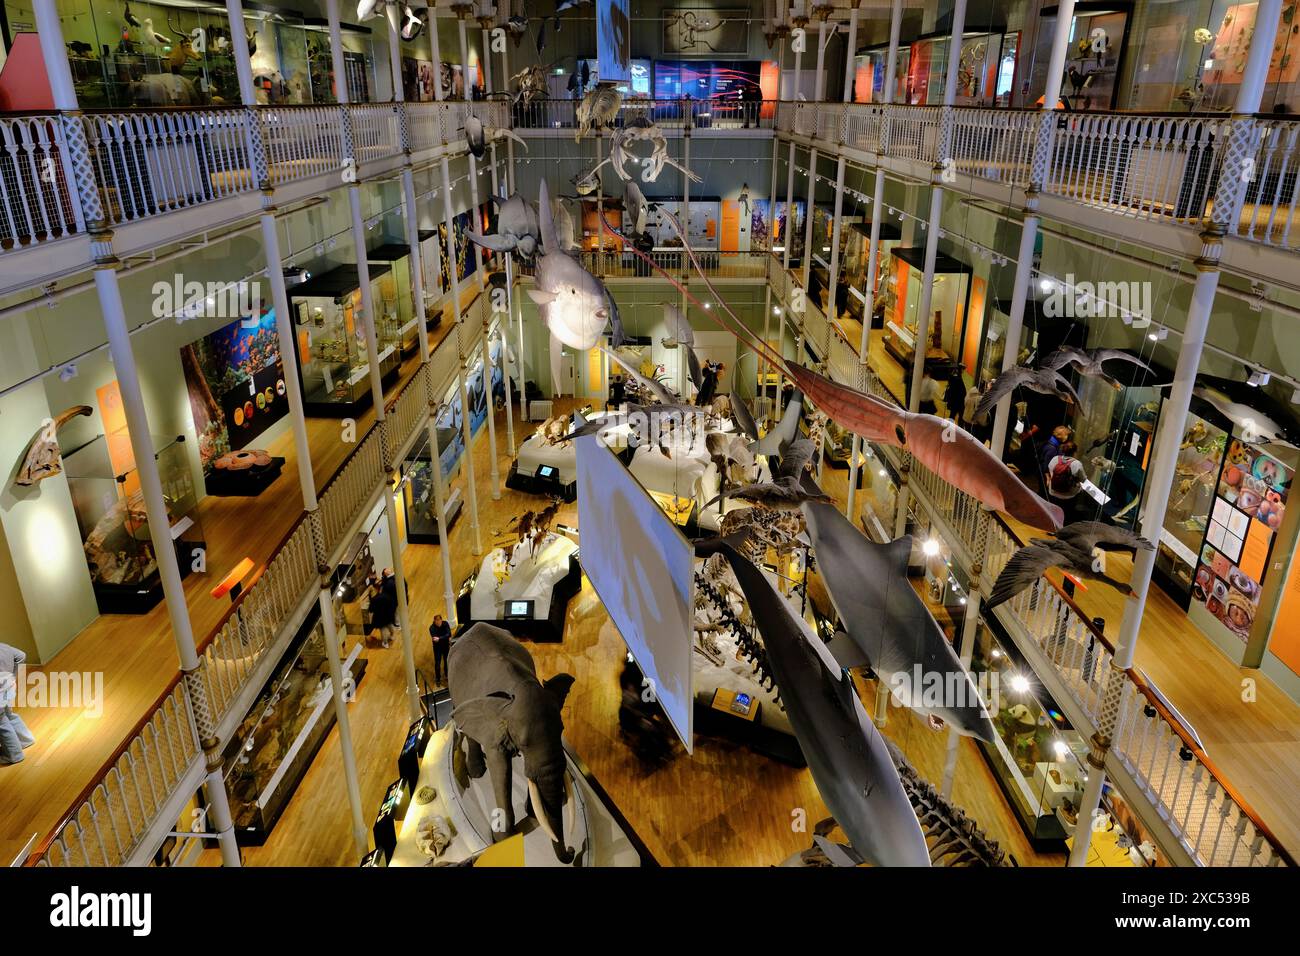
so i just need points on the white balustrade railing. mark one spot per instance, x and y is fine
(1269, 201)
(1146, 167)
(116, 810)
(914, 132)
(863, 126)
(302, 141)
(994, 144)
(424, 121)
(375, 130)
(36, 199)
(148, 162)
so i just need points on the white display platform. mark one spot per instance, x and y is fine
(589, 829)
(531, 578)
(537, 451)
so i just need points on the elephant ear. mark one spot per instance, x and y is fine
(558, 687)
(484, 719)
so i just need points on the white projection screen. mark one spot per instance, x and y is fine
(641, 567)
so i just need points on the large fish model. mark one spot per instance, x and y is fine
(949, 451)
(518, 228)
(890, 624)
(572, 302)
(849, 760)
(477, 136)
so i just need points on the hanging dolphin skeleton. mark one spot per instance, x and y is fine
(518, 228)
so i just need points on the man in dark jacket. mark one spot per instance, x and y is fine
(440, 632)
(383, 609)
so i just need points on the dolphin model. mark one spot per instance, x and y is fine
(850, 763)
(518, 228)
(1249, 422)
(890, 624)
(573, 303)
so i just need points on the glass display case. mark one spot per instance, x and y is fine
(357, 60)
(986, 67)
(431, 264)
(271, 750)
(948, 309)
(857, 244)
(330, 343)
(869, 74)
(396, 300)
(180, 54)
(110, 513)
(418, 494)
(1188, 514)
(1094, 56)
(1037, 757)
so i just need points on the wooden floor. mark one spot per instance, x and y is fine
(723, 806)
(136, 653)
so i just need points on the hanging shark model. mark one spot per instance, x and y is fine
(573, 303)
(847, 756)
(518, 228)
(890, 624)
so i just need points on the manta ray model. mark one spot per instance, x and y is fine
(849, 760)
(887, 620)
(518, 228)
(572, 302)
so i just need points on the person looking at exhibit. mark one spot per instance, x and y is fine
(14, 735)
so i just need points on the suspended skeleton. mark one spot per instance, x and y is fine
(531, 83)
(597, 109)
(641, 130)
(768, 528)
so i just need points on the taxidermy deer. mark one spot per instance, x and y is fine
(182, 49)
(43, 459)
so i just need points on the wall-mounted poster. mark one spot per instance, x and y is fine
(614, 40)
(235, 382)
(706, 31)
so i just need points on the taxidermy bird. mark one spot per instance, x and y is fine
(786, 491)
(251, 37)
(152, 35)
(79, 48)
(129, 17)
(1089, 362)
(367, 9)
(413, 26)
(1078, 81)
(1048, 381)
(517, 26)
(1079, 548)
(566, 5)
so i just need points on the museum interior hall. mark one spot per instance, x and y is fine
(649, 433)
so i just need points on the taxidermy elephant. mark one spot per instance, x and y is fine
(503, 709)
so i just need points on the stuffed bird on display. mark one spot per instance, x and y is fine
(1048, 381)
(129, 17)
(1090, 362)
(152, 35)
(1079, 548)
(786, 491)
(367, 9)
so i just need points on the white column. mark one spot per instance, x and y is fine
(464, 59)
(1029, 227)
(873, 252)
(471, 492)
(850, 48)
(336, 53)
(343, 722)
(438, 92)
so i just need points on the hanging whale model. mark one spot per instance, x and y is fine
(848, 758)
(889, 623)
(778, 439)
(572, 302)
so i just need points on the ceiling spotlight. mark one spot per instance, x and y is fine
(707, 306)
(1045, 284)
(885, 474)
(1295, 396)
(776, 310)
(931, 547)
(68, 371)
(1062, 749)
(1019, 683)
(1258, 377)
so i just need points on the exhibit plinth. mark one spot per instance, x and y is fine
(447, 820)
(523, 589)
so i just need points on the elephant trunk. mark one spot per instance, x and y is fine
(548, 799)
